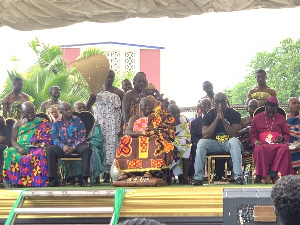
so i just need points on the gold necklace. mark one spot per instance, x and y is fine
(269, 130)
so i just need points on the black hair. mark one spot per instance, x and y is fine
(126, 80)
(17, 79)
(140, 74)
(50, 90)
(261, 71)
(286, 198)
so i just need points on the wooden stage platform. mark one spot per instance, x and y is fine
(204, 203)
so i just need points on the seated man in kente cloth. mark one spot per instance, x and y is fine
(182, 143)
(293, 122)
(269, 134)
(147, 144)
(220, 130)
(25, 162)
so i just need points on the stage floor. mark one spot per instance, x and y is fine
(171, 201)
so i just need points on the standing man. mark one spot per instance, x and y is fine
(220, 130)
(262, 92)
(126, 85)
(12, 103)
(269, 133)
(131, 101)
(108, 115)
(108, 85)
(209, 89)
(196, 131)
(54, 94)
(69, 136)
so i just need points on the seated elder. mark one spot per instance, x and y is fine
(244, 132)
(181, 162)
(293, 121)
(269, 134)
(25, 162)
(69, 136)
(147, 144)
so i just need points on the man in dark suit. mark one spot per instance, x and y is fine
(196, 131)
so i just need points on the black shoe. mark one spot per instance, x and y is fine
(217, 178)
(53, 183)
(84, 183)
(197, 182)
(239, 181)
(106, 178)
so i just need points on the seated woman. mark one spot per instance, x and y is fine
(147, 144)
(25, 162)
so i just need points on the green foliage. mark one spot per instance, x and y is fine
(283, 71)
(119, 78)
(50, 70)
(90, 52)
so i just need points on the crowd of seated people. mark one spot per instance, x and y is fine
(146, 135)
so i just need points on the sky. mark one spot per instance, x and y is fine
(213, 46)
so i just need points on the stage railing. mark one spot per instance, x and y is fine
(237, 107)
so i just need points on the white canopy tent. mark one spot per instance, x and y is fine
(44, 14)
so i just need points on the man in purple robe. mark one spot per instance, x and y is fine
(269, 134)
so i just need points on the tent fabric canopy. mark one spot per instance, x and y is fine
(45, 14)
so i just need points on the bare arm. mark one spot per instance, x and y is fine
(249, 96)
(90, 102)
(2, 139)
(5, 106)
(129, 129)
(272, 92)
(14, 136)
(233, 130)
(43, 107)
(126, 108)
(208, 131)
(26, 96)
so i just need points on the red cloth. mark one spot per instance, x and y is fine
(259, 125)
(271, 157)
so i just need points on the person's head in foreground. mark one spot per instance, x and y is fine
(140, 221)
(286, 198)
